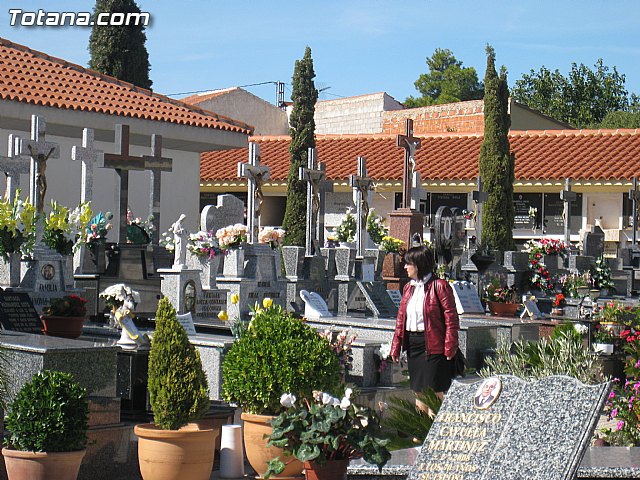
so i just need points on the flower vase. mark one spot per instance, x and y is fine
(393, 266)
(332, 470)
(65, 327)
(233, 265)
(10, 270)
(208, 268)
(503, 309)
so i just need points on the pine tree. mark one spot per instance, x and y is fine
(302, 129)
(119, 51)
(496, 164)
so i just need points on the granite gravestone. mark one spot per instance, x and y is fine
(593, 243)
(228, 210)
(534, 430)
(467, 298)
(17, 313)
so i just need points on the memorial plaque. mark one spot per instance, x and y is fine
(467, 298)
(553, 209)
(513, 429)
(210, 302)
(186, 320)
(17, 313)
(374, 298)
(522, 202)
(314, 305)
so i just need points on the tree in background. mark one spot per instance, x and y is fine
(496, 164)
(119, 51)
(583, 98)
(447, 81)
(301, 129)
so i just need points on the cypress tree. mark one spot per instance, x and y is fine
(301, 130)
(119, 51)
(496, 164)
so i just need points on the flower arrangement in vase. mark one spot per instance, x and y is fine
(346, 231)
(97, 229)
(392, 245)
(139, 232)
(63, 228)
(558, 304)
(601, 275)
(203, 244)
(326, 429)
(64, 316)
(17, 226)
(501, 300)
(273, 236)
(376, 228)
(232, 236)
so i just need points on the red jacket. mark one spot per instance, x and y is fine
(440, 316)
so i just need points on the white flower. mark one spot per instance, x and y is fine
(580, 328)
(348, 392)
(288, 400)
(345, 403)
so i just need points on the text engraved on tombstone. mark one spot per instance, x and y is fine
(18, 313)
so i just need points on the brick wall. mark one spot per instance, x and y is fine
(462, 117)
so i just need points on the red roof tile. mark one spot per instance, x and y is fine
(540, 155)
(33, 77)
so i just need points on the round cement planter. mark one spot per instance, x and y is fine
(42, 465)
(175, 454)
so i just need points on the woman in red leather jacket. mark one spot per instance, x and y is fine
(427, 325)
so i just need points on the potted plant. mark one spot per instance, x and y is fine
(601, 276)
(603, 339)
(502, 301)
(376, 228)
(139, 232)
(345, 233)
(276, 353)
(174, 446)
(64, 316)
(47, 425)
(325, 433)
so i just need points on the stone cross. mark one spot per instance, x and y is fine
(13, 166)
(479, 197)
(326, 186)
(157, 164)
(90, 158)
(417, 192)
(567, 196)
(122, 162)
(361, 185)
(314, 177)
(256, 175)
(40, 151)
(410, 145)
(634, 195)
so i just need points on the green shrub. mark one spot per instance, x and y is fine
(277, 354)
(178, 390)
(49, 414)
(559, 355)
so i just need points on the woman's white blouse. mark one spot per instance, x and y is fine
(415, 306)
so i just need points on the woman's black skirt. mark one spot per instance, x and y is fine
(426, 370)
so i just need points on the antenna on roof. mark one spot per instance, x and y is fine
(280, 95)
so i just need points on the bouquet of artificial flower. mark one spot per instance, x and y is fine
(232, 236)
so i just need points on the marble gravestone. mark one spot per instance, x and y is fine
(536, 430)
(314, 305)
(467, 298)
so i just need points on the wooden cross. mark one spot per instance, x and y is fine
(417, 192)
(256, 175)
(410, 145)
(13, 166)
(361, 185)
(567, 196)
(157, 164)
(479, 197)
(314, 177)
(122, 162)
(90, 157)
(634, 195)
(40, 151)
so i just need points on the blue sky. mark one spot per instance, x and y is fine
(358, 47)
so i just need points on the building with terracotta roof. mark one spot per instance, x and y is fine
(71, 97)
(601, 165)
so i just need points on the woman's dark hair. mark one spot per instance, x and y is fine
(422, 258)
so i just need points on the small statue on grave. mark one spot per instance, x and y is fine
(180, 242)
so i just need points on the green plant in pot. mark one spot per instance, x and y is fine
(47, 425)
(277, 353)
(175, 446)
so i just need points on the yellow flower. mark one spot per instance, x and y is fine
(223, 315)
(267, 302)
(235, 298)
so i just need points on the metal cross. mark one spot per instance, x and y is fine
(157, 164)
(256, 175)
(40, 151)
(314, 177)
(12, 165)
(410, 145)
(90, 157)
(361, 185)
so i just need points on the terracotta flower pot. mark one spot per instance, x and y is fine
(256, 432)
(503, 309)
(332, 470)
(175, 454)
(42, 465)
(65, 327)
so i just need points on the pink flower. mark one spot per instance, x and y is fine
(612, 394)
(620, 425)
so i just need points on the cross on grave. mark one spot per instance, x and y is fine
(90, 157)
(634, 195)
(325, 187)
(156, 164)
(256, 175)
(40, 151)
(479, 197)
(567, 196)
(417, 192)
(12, 166)
(410, 145)
(122, 162)
(314, 176)
(361, 185)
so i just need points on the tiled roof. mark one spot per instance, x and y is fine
(33, 77)
(540, 155)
